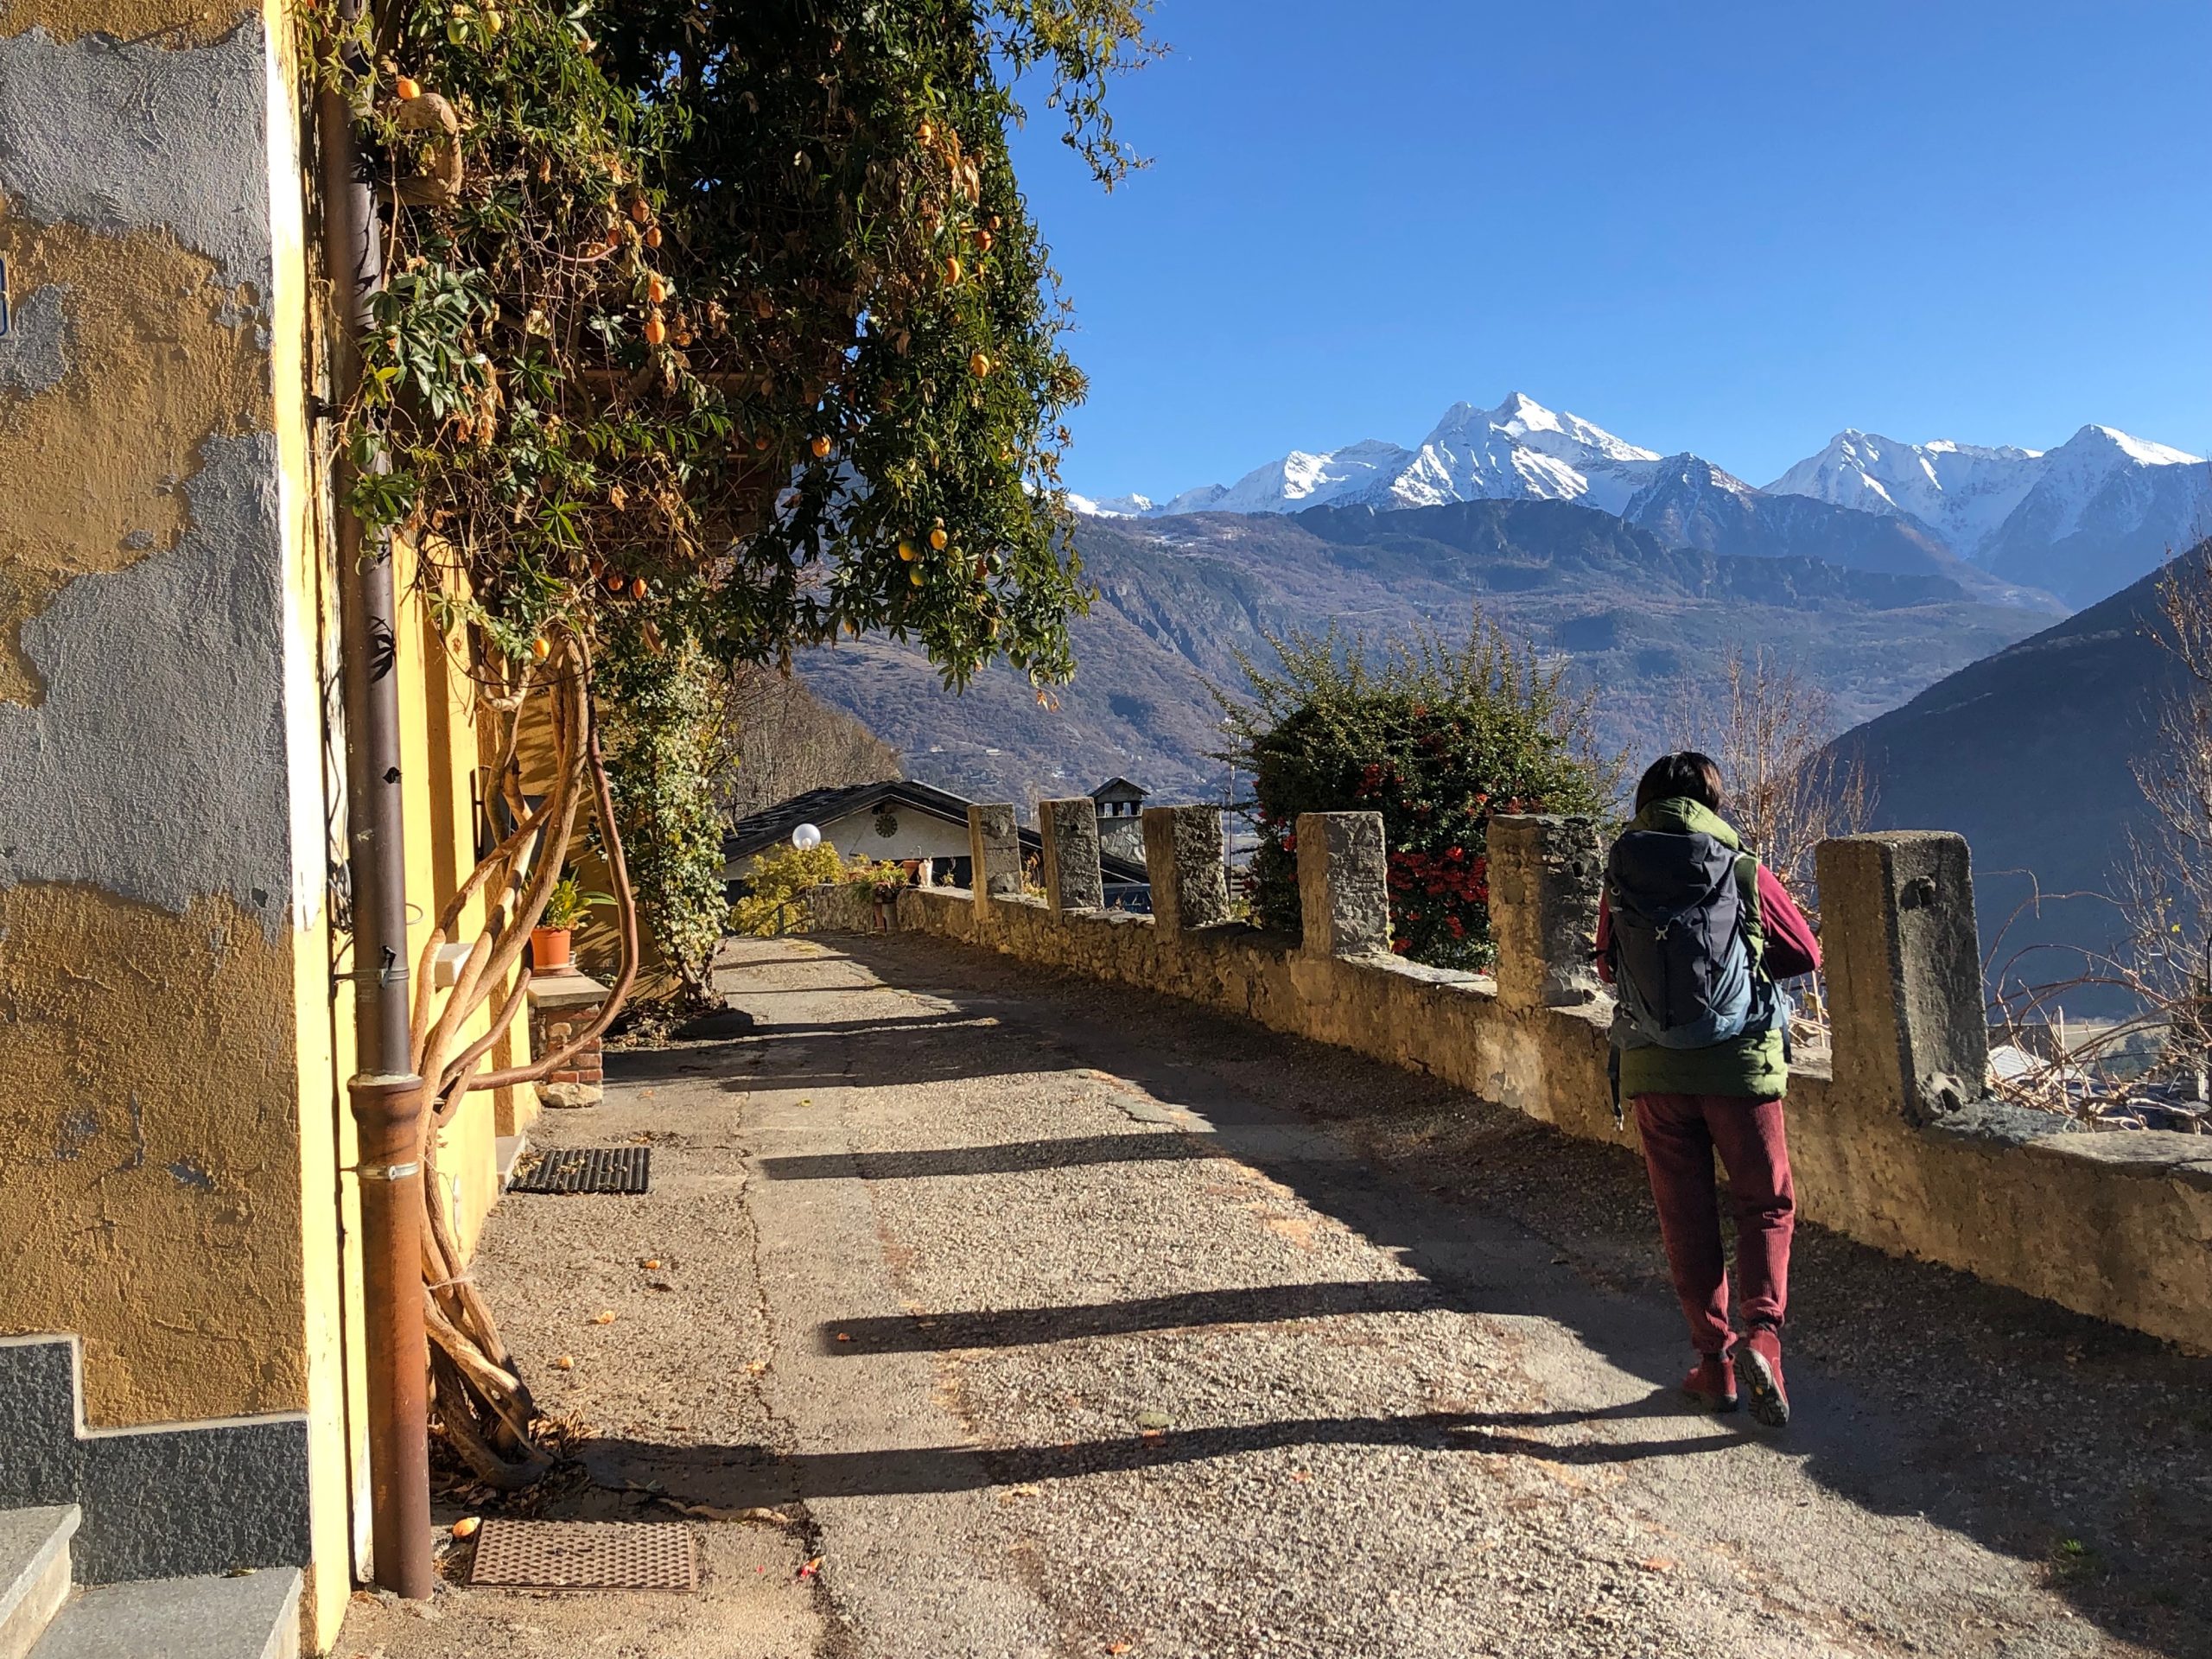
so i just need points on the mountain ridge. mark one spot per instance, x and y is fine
(2079, 520)
(1647, 622)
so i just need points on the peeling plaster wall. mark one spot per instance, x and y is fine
(146, 1150)
(180, 141)
(171, 1142)
(155, 768)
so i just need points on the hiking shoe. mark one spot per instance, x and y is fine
(1710, 1386)
(1758, 1366)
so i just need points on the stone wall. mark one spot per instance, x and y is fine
(1893, 1144)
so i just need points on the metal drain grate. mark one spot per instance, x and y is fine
(585, 1556)
(587, 1169)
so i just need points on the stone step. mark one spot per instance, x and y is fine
(250, 1615)
(34, 1572)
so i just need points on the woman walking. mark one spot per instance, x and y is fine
(1694, 935)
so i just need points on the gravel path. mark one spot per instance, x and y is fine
(1061, 1320)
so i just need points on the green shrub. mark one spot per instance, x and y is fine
(777, 879)
(1435, 735)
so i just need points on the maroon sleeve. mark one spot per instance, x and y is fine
(1791, 949)
(1604, 938)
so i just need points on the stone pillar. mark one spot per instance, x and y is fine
(1069, 832)
(1344, 890)
(560, 1003)
(994, 853)
(1545, 876)
(1183, 852)
(1903, 964)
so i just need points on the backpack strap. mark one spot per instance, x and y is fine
(1751, 923)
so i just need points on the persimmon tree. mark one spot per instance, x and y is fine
(711, 332)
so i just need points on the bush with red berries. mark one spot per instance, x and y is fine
(1435, 736)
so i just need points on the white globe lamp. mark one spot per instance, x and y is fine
(806, 837)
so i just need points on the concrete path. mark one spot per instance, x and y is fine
(1055, 1320)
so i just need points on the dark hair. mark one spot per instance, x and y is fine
(1688, 774)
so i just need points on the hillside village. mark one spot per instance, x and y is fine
(658, 996)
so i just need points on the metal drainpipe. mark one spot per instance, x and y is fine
(385, 1094)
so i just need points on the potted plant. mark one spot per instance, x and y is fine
(565, 907)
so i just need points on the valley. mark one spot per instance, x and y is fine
(1645, 624)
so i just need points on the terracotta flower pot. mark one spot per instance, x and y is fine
(548, 947)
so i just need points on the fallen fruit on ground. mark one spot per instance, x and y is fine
(466, 1527)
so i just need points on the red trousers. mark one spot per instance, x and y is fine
(1680, 1133)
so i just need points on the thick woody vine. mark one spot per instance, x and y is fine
(711, 332)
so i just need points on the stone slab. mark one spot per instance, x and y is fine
(1343, 889)
(553, 992)
(1069, 833)
(250, 1615)
(33, 1572)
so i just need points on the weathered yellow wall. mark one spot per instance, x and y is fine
(174, 1029)
(147, 1104)
(439, 759)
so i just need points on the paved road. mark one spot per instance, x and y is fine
(1053, 1319)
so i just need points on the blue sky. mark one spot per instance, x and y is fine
(1725, 228)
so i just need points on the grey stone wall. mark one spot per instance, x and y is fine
(162, 1502)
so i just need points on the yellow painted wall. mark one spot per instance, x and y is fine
(176, 1024)
(439, 759)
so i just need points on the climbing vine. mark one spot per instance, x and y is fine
(709, 332)
(663, 740)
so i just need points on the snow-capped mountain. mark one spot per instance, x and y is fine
(1961, 491)
(1519, 450)
(2083, 520)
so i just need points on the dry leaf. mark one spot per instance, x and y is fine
(606, 1317)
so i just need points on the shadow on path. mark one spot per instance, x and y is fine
(1919, 1391)
(1017, 1327)
(745, 1476)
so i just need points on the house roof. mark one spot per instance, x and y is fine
(1119, 787)
(770, 828)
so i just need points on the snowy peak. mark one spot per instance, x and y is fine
(1112, 506)
(1518, 451)
(2102, 440)
(1983, 500)
(1961, 491)
(1527, 422)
